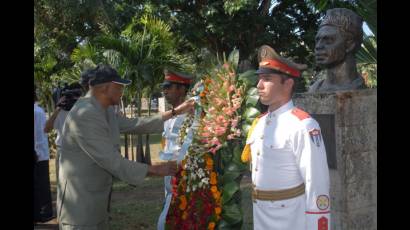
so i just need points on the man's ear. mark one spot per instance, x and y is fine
(289, 83)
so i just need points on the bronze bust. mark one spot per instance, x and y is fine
(339, 37)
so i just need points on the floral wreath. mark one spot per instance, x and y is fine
(206, 188)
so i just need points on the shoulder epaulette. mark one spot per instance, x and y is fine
(300, 114)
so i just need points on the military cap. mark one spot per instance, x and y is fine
(104, 74)
(270, 62)
(172, 76)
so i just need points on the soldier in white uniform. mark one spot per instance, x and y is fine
(175, 88)
(290, 175)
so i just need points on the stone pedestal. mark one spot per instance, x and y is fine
(353, 154)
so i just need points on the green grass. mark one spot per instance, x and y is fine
(136, 207)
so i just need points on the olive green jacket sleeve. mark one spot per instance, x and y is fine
(92, 133)
(141, 125)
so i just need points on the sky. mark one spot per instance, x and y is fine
(366, 29)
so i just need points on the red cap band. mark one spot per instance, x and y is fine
(277, 65)
(176, 78)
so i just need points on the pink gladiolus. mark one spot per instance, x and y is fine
(228, 111)
(238, 132)
(215, 141)
(219, 102)
(220, 131)
(231, 88)
(234, 122)
(220, 119)
(213, 150)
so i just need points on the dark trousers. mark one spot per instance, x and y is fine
(43, 210)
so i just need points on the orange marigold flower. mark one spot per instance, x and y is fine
(209, 161)
(218, 210)
(183, 173)
(214, 189)
(183, 203)
(211, 225)
(216, 195)
(184, 215)
(213, 178)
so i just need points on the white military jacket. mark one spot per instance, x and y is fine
(287, 150)
(170, 136)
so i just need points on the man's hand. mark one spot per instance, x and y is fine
(163, 169)
(187, 106)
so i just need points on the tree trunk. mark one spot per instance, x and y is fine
(140, 149)
(132, 135)
(147, 144)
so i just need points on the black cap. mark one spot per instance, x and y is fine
(86, 75)
(263, 70)
(104, 74)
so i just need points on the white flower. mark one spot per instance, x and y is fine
(205, 180)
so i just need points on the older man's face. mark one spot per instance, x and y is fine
(330, 46)
(115, 92)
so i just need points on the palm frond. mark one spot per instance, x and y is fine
(368, 52)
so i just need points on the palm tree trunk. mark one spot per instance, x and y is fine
(132, 135)
(147, 144)
(140, 149)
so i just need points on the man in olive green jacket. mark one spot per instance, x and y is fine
(90, 152)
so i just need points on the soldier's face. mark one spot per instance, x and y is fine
(115, 92)
(173, 93)
(330, 46)
(272, 91)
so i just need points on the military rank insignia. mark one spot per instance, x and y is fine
(315, 136)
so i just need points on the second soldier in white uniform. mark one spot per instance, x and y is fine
(290, 175)
(175, 88)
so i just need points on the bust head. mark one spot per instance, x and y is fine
(340, 34)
